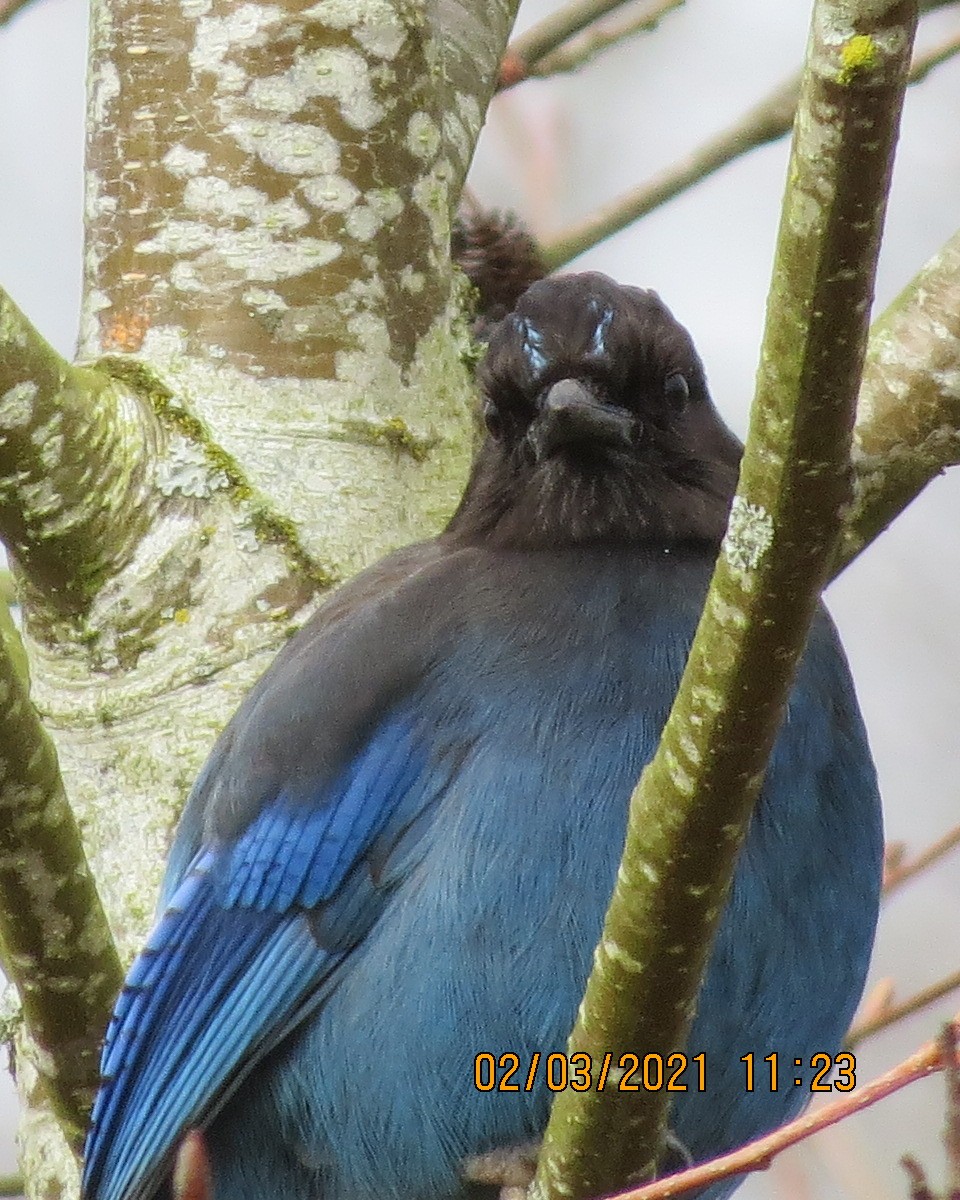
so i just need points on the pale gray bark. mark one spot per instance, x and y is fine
(269, 300)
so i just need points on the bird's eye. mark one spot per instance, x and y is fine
(493, 420)
(676, 390)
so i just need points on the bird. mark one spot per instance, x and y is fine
(398, 856)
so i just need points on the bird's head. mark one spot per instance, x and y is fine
(600, 428)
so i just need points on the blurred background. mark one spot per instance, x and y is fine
(552, 151)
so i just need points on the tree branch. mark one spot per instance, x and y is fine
(74, 457)
(56, 944)
(691, 808)
(570, 38)
(890, 1014)
(8, 10)
(899, 874)
(908, 420)
(766, 122)
(757, 1156)
(526, 50)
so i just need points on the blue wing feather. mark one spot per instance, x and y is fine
(241, 954)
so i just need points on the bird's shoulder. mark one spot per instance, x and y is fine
(422, 612)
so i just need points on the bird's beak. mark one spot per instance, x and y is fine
(571, 415)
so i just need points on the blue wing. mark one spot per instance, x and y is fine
(247, 941)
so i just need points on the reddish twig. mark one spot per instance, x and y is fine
(757, 1156)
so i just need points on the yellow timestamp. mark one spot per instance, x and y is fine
(830, 1072)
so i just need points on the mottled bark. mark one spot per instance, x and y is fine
(908, 417)
(54, 937)
(690, 810)
(74, 453)
(269, 307)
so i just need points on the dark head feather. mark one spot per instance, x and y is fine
(601, 430)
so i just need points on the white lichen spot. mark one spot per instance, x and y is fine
(276, 94)
(749, 534)
(195, 8)
(215, 197)
(285, 214)
(362, 223)
(178, 238)
(457, 137)
(184, 278)
(423, 137)
(331, 192)
(186, 470)
(244, 27)
(255, 255)
(217, 352)
(105, 88)
(470, 113)
(385, 202)
(287, 146)
(51, 452)
(648, 871)
(706, 698)
(616, 954)
(373, 23)
(10, 1006)
(16, 405)
(334, 72)
(264, 302)
(430, 194)
(412, 281)
(245, 536)
(680, 777)
(690, 749)
(182, 162)
(729, 616)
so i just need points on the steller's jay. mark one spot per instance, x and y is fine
(399, 854)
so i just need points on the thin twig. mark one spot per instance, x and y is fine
(898, 875)
(8, 10)
(527, 49)
(766, 122)
(757, 1156)
(891, 1013)
(951, 1132)
(933, 57)
(578, 51)
(769, 120)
